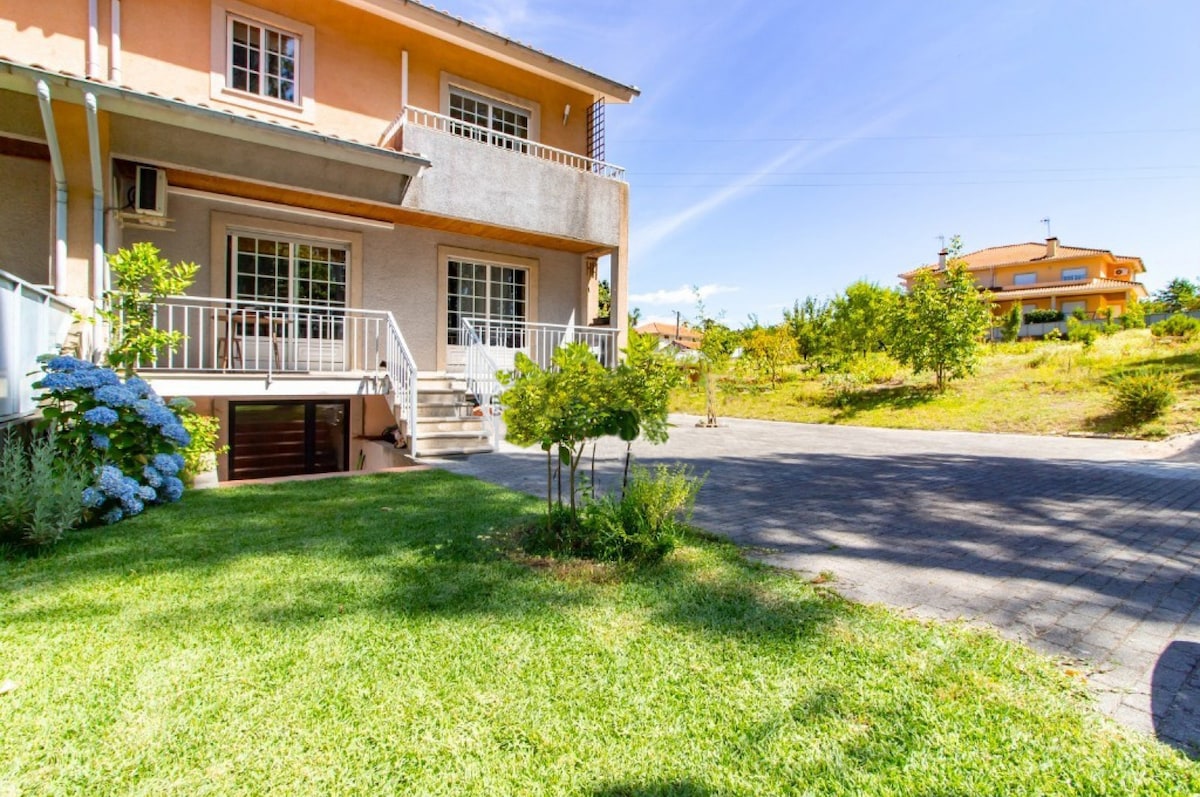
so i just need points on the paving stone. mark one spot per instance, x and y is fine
(1089, 549)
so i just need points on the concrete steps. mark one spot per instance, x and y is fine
(446, 423)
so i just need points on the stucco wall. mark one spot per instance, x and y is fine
(480, 182)
(356, 59)
(399, 266)
(25, 224)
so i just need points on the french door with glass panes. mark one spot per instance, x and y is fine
(291, 300)
(495, 298)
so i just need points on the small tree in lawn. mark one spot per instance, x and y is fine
(644, 383)
(938, 324)
(140, 279)
(808, 324)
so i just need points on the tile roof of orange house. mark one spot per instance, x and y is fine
(1018, 254)
(1064, 288)
(687, 338)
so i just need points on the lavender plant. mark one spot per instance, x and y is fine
(123, 431)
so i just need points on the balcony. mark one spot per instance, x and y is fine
(484, 176)
(33, 322)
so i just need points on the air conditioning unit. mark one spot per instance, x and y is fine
(150, 191)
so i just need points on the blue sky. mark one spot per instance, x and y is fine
(786, 149)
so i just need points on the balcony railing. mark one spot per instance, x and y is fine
(420, 117)
(226, 336)
(492, 346)
(33, 322)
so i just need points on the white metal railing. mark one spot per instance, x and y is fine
(491, 346)
(227, 336)
(33, 322)
(481, 376)
(445, 124)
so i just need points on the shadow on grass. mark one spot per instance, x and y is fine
(674, 788)
(898, 397)
(406, 545)
(1185, 365)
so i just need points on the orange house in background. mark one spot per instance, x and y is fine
(1051, 277)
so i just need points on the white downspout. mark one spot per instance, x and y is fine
(60, 190)
(114, 48)
(93, 45)
(93, 129)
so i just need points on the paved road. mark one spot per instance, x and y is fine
(1086, 549)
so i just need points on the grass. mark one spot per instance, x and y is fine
(378, 635)
(1062, 389)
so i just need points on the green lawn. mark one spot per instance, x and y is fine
(377, 635)
(1034, 388)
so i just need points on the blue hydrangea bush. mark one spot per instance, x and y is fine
(128, 436)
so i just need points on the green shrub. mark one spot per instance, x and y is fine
(205, 431)
(641, 527)
(1144, 395)
(1010, 325)
(876, 368)
(841, 389)
(1053, 334)
(1177, 326)
(1079, 332)
(41, 493)
(1135, 316)
(1043, 316)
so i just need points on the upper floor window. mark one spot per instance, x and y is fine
(1074, 274)
(491, 120)
(1027, 278)
(263, 60)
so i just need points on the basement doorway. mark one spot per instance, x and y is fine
(288, 438)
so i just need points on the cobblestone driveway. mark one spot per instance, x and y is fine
(1086, 549)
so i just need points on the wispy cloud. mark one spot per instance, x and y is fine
(681, 295)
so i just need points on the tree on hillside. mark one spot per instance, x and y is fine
(859, 321)
(939, 322)
(808, 324)
(1179, 296)
(768, 349)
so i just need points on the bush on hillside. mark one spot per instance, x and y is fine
(1177, 326)
(1144, 395)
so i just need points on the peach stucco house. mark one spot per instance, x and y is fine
(385, 201)
(1048, 276)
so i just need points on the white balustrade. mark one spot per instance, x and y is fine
(33, 322)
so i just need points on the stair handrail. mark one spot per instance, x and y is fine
(401, 368)
(481, 378)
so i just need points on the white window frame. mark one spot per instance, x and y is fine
(447, 254)
(261, 74)
(478, 91)
(1025, 278)
(1075, 274)
(224, 14)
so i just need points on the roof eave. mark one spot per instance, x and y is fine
(479, 39)
(117, 99)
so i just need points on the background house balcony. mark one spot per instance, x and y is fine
(485, 176)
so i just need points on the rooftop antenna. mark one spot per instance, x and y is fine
(1046, 221)
(941, 238)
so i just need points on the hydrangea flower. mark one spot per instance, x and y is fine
(113, 515)
(93, 498)
(152, 475)
(101, 416)
(177, 434)
(116, 395)
(100, 442)
(172, 489)
(147, 493)
(56, 383)
(67, 364)
(110, 480)
(139, 387)
(168, 464)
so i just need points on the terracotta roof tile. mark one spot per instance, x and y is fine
(1066, 288)
(1016, 254)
